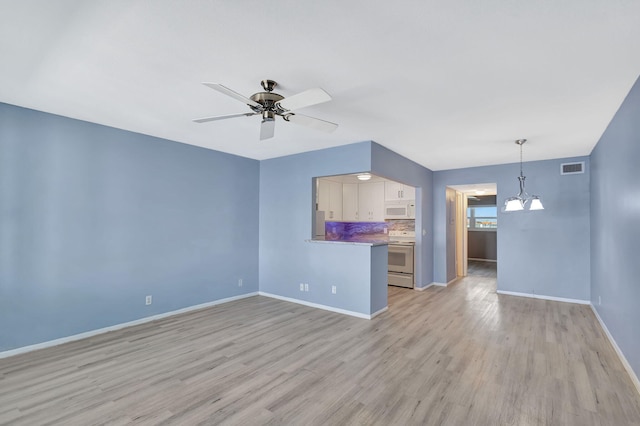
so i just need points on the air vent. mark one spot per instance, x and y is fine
(572, 168)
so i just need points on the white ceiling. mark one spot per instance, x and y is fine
(448, 83)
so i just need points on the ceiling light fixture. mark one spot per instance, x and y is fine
(364, 176)
(522, 200)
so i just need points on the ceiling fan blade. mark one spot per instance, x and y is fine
(235, 95)
(267, 129)
(304, 99)
(314, 123)
(223, 117)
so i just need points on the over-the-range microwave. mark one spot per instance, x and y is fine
(400, 210)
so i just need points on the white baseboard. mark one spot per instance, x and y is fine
(623, 359)
(375, 314)
(324, 307)
(543, 297)
(426, 286)
(92, 333)
(445, 284)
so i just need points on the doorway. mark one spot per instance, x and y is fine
(472, 216)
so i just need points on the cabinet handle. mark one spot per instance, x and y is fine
(398, 194)
(402, 194)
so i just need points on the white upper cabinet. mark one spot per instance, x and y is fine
(335, 201)
(330, 199)
(371, 202)
(394, 191)
(344, 200)
(350, 202)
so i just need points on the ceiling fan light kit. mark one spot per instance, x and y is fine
(523, 200)
(269, 104)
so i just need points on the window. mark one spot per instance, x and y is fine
(485, 217)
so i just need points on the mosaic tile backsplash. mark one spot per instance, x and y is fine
(366, 231)
(356, 231)
(402, 224)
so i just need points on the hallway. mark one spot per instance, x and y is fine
(481, 268)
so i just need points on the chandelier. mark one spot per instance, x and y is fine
(523, 200)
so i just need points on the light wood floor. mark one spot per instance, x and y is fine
(461, 355)
(482, 268)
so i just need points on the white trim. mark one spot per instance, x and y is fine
(543, 297)
(447, 284)
(425, 287)
(623, 359)
(92, 333)
(324, 307)
(375, 314)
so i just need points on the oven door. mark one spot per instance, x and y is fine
(401, 258)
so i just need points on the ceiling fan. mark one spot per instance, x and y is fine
(270, 104)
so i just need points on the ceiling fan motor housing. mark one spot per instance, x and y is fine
(267, 100)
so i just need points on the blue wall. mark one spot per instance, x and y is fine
(615, 227)
(387, 163)
(286, 205)
(93, 219)
(539, 252)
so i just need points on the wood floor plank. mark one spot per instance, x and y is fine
(444, 356)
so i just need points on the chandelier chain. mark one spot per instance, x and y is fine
(520, 159)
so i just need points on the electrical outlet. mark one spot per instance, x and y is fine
(301, 287)
(333, 289)
(239, 282)
(306, 287)
(147, 300)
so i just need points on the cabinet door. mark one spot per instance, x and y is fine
(350, 202)
(335, 200)
(408, 192)
(371, 202)
(364, 201)
(330, 199)
(392, 191)
(323, 196)
(377, 202)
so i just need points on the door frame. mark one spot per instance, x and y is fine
(462, 254)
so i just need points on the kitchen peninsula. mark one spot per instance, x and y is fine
(357, 269)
